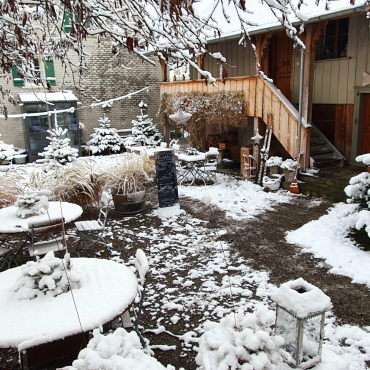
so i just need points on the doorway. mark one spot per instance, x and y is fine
(365, 142)
(282, 63)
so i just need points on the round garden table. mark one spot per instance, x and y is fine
(45, 324)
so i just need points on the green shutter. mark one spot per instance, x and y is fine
(49, 72)
(67, 21)
(17, 81)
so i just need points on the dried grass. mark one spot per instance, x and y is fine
(75, 183)
(210, 112)
(130, 175)
(11, 185)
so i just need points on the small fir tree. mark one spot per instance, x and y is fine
(105, 138)
(58, 152)
(46, 276)
(144, 131)
(28, 204)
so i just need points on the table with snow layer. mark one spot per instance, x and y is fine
(106, 290)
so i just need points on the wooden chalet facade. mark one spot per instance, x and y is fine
(336, 89)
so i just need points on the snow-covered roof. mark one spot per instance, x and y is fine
(264, 20)
(59, 96)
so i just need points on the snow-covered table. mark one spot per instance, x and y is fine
(11, 223)
(192, 168)
(107, 290)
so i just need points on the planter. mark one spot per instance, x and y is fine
(289, 175)
(129, 204)
(274, 170)
(20, 158)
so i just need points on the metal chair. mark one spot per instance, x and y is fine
(142, 267)
(4, 253)
(210, 165)
(40, 240)
(94, 230)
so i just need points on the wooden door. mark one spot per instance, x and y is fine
(284, 64)
(365, 147)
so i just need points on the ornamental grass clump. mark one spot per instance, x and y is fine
(131, 174)
(10, 188)
(289, 164)
(76, 183)
(274, 161)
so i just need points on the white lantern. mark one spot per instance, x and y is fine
(300, 316)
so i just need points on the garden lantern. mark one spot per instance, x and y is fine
(300, 316)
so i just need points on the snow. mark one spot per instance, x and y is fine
(26, 323)
(59, 96)
(303, 304)
(327, 238)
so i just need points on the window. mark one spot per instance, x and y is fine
(334, 41)
(37, 126)
(48, 75)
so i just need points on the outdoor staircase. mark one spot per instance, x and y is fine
(323, 152)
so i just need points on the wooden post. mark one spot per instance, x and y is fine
(305, 146)
(256, 148)
(164, 69)
(200, 64)
(258, 53)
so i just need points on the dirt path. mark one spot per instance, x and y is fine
(259, 242)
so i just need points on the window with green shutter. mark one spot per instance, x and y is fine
(67, 20)
(17, 81)
(49, 72)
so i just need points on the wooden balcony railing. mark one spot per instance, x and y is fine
(263, 99)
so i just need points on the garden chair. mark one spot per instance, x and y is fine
(142, 267)
(46, 236)
(4, 253)
(94, 230)
(210, 165)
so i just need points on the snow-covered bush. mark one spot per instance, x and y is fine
(358, 191)
(119, 350)
(289, 164)
(58, 152)
(6, 151)
(250, 345)
(192, 151)
(274, 161)
(105, 138)
(46, 276)
(144, 131)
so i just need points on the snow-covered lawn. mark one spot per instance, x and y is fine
(189, 266)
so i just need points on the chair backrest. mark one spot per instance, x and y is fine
(47, 226)
(211, 158)
(104, 207)
(142, 265)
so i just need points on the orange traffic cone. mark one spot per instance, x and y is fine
(294, 188)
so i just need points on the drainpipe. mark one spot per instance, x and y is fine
(301, 81)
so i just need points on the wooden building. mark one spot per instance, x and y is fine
(336, 88)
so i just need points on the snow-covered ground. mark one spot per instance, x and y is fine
(189, 266)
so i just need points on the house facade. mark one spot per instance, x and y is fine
(103, 79)
(335, 89)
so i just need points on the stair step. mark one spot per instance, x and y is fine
(327, 162)
(320, 152)
(316, 143)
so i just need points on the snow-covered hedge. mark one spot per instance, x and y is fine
(119, 350)
(250, 345)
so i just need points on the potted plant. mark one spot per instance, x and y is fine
(289, 166)
(274, 164)
(127, 180)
